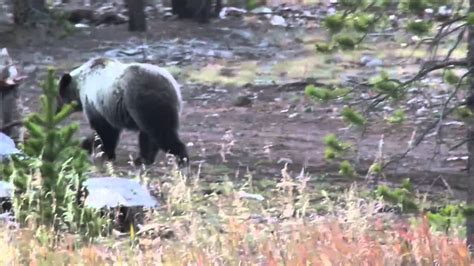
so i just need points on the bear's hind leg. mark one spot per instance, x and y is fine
(148, 150)
(170, 143)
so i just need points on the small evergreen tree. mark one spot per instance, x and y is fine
(49, 175)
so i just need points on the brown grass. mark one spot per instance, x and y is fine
(225, 229)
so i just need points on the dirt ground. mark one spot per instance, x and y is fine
(259, 137)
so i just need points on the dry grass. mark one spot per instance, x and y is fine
(226, 227)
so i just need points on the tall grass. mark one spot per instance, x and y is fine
(223, 225)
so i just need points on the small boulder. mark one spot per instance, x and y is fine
(242, 101)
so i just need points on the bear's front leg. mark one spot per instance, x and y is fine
(107, 133)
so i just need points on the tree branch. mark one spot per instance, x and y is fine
(435, 125)
(431, 66)
(458, 41)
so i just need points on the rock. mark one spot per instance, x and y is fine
(335, 59)
(374, 63)
(422, 111)
(111, 192)
(262, 10)
(222, 54)
(81, 26)
(7, 146)
(445, 11)
(242, 101)
(122, 199)
(293, 115)
(364, 59)
(6, 190)
(245, 35)
(370, 61)
(29, 69)
(331, 11)
(429, 11)
(231, 11)
(285, 160)
(245, 195)
(278, 21)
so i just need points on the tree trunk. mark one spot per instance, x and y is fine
(21, 11)
(39, 5)
(470, 133)
(10, 113)
(25, 11)
(136, 15)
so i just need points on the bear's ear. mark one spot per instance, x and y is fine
(64, 83)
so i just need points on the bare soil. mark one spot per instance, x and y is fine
(260, 137)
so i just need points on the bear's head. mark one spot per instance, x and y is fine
(68, 93)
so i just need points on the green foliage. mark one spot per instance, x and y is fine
(468, 210)
(329, 154)
(413, 6)
(346, 169)
(470, 18)
(419, 27)
(334, 23)
(383, 3)
(397, 117)
(49, 180)
(252, 4)
(450, 78)
(446, 218)
(350, 4)
(363, 21)
(406, 184)
(463, 113)
(385, 85)
(403, 196)
(334, 147)
(324, 94)
(352, 116)
(323, 48)
(345, 42)
(375, 168)
(61, 19)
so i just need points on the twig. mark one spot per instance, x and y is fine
(448, 23)
(432, 66)
(435, 40)
(410, 56)
(451, 96)
(462, 26)
(367, 32)
(437, 124)
(462, 142)
(458, 41)
(419, 139)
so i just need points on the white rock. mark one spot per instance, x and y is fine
(109, 192)
(81, 26)
(245, 195)
(262, 10)
(278, 21)
(374, 63)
